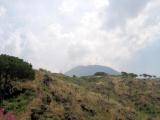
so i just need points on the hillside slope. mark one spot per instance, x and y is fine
(90, 70)
(58, 97)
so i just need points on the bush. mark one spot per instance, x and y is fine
(12, 69)
(125, 74)
(100, 74)
(19, 103)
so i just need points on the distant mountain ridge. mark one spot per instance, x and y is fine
(91, 70)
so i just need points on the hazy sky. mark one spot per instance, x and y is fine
(60, 34)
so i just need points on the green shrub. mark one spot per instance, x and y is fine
(20, 103)
(12, 69)
(125, 74)
(100, 74)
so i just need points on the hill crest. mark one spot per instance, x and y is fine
(90, 70)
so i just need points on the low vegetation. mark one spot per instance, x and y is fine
(13, 69)
(52, 96)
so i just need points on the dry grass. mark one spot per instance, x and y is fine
(69, 93)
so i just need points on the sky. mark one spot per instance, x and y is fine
(60, 34)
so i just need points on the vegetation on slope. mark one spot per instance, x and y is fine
(11, 70)
(52, 96)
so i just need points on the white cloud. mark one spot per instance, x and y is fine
(75, 34)
(100, 3)
(2, 11)
(68, 7)
(119, 11)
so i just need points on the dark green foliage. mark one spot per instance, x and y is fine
(100, 74)
(19, 103)
(74, 76)
(148, 76)
(12, 69)
(132, 75)
(125, 74)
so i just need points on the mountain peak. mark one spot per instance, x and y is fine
(90, 70)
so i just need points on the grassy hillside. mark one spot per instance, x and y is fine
(58, 97)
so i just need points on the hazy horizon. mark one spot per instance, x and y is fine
(61, 34)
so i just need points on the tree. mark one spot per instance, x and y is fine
(144, 75)
(133, 75)
(12, 69)
(124, 74)
(154, 76)
(74, 76)
(100, 74)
